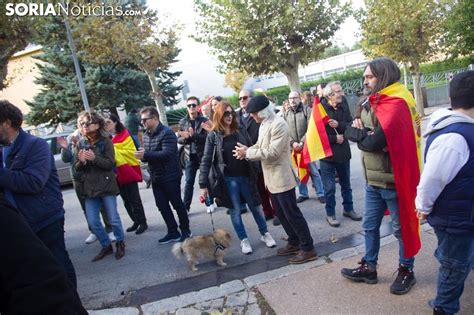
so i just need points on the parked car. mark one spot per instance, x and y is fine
(64, 169)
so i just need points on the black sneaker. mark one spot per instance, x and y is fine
(436, 309)
(301, 199)
(174, 237)
(185, 235)
(364, 273)
(404, 281)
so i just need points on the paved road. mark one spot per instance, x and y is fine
(147, 263)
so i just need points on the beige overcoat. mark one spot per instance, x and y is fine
(273, 150)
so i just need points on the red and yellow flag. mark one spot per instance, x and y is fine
(128, 167)
(395, 109)
(303, 170)
(316, 145)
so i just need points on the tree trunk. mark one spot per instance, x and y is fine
(293, 78)
(157, 97)
(417, 91)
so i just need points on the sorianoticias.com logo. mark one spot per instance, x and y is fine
(66, 8)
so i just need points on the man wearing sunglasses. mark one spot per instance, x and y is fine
(161, 152)
(192, 134)
(252, 128)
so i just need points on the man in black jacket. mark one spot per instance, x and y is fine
(161, 152)
(192, 134)
(32, 281)
(340, 116)
(252, 127)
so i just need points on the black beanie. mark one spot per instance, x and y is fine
(257, 103)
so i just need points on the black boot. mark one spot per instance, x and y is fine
(133, 227)
(404, 281)
(364, 273)
(120, 252)
(142, 228)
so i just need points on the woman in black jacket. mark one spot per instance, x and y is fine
(238, 175)
(94, 156)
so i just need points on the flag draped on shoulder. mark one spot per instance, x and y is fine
(395, 109)
(128, 167)
(316, 145)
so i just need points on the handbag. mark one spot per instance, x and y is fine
(216, 178)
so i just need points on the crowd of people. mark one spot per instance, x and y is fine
(244, 162)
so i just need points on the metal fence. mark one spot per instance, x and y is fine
(435, 87)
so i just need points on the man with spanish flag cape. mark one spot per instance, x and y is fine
(388, 133)
(128, 172)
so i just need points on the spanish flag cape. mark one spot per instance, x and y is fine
(396, 112)
(316, 145)
(128, 167)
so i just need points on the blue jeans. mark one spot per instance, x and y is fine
(455, 253)
(92, 211)
(328, 175)
(377, 200)
(317, 182)
(192, 165)
(237, 187)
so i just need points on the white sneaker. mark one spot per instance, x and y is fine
(91, 239)
(268, 240)
(112, 237)
(245, 245)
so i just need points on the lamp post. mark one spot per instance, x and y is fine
(76, 63)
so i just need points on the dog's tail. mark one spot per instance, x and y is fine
(177, 250)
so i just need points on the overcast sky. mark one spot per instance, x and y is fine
(198, 65)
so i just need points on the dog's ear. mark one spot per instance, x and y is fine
(227, 235)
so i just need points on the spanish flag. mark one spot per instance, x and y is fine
(316, 145)
(303, 169)
(395, 109)
(128, 167)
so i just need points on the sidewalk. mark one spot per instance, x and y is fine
(316, 288)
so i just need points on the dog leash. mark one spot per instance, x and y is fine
(212, 223)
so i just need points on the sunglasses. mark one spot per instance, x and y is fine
(145, 119)
(86, 123)
(243, 98)
(192, 105)
(228, 114)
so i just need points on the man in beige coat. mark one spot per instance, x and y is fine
(273, 150)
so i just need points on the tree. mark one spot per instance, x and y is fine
(405, 31)
(458, 28)
(169, 91)
(263, 37)
(142, 41)
(15, 33)
(235, 79)
(108, 86)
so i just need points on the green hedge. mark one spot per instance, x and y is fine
(445, 65)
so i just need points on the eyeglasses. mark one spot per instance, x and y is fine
(145, 119)
(192, 105)
(228, 114)
(86, 123)
(243, 98)
(336, 92)
(293, 98)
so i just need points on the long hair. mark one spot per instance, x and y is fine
(267, 112)
(119, 127)
(386, 71)
(94, 118)
(218, 117)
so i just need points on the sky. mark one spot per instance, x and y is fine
(199, 67)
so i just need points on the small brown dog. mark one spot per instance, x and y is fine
(205, 246)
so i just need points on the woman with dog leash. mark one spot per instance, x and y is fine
(238, 175)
